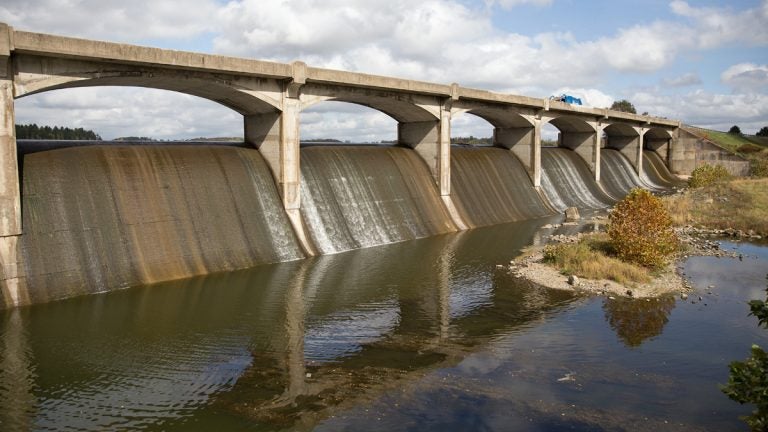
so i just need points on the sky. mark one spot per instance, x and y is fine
(703, 62)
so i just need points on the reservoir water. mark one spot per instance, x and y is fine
(426, 334)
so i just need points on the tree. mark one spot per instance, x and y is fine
(748, 381)
(763, 131)
(735, 130)
(624, 106)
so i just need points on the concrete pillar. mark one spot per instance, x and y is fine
(536, 151)
(10, 199)
(276, 136)
(597, 147)
(522, 142)
(639, 152)
(583, 143)
(432, 141)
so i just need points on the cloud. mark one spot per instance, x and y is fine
(117, 20)
(120, 111)
(719, 26)
(589, 97)
(509, 4)
(684, 80)
(746, 77)
(706, 109)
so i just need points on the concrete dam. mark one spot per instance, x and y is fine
(133, 215)
(95, 218)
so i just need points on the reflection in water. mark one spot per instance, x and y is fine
(635, 320)
(17, 374)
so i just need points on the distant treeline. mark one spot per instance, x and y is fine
(33, 131)
(471, 140)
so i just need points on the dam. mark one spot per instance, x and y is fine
(87, 219)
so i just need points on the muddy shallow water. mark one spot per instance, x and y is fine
(420, 335)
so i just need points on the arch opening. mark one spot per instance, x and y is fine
(471, 130)
(124, 115)
(576, 134)
(340, 122)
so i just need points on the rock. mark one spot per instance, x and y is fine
(572, 214)
(499, 266)
(573, 280)
(683, 296)
(629, 293)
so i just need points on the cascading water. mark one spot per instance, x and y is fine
(98, 218)
(656, 173)
(567, 181)
(490, 186)
(361, 196)
(617, 175)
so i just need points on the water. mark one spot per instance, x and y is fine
(109, 217)
(490, 186)
(419, 335)
(617, 175)
(361, 196)
(655, 173)
(567, 181)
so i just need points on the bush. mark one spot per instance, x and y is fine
(748, 381)
(590, 258)
(706, 174)
(641, 230)
(759, 167)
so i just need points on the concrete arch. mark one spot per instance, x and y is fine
(404, 108)
(626, 139)
(245, 95)
(579, 135)
(659, 141)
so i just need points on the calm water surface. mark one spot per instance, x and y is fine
(421, 335)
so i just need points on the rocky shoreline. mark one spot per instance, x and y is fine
(669, 281)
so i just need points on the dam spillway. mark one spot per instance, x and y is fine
(100, 218)
(568, 182)
(617, 175)
(490, 186)
(363, 196)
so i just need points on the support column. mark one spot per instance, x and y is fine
(432, 141)
(639, 155)
(276, 136)
(598, 141)
(10, 199)
(536, 152)
(522, 142)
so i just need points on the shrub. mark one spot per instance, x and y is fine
(706, 174)
(589, 258)
(759, 167)
(641, 230)
(748, 381)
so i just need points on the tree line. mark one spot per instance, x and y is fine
(33, 131)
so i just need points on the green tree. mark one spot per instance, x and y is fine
(748, 381)
(735, 130)
(624, 106)
(763, 131)
(33, 131)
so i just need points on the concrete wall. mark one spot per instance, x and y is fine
(692, 151)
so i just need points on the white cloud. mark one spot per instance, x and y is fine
(746, 77)
(120, 111)
(684, 80)
(707, 109)
(718, 26)
(589, 97)
(118, 20)
(509, 4)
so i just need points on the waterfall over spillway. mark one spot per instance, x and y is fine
(100, 218)
(617, 175)
(567, 181)
(656, 173)
(361, 196)
(490, 186)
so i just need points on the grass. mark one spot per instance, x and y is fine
(740, 204)
(591, 258)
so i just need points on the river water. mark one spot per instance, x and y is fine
(420, 335)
